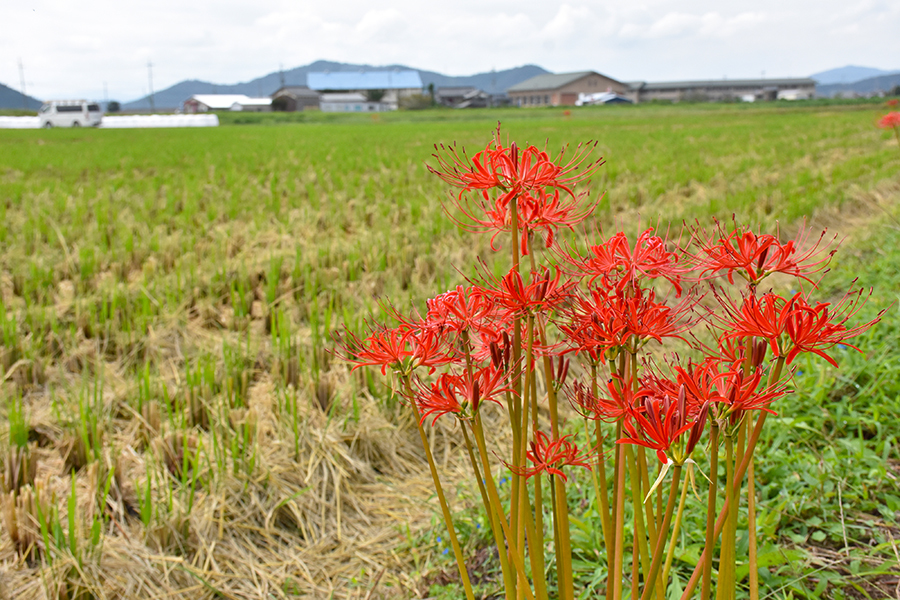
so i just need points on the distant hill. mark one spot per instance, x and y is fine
(848, 74)
(884, 83)
(10, 98)
(492, 82)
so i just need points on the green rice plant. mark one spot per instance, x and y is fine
(19, 466)
(84, 441)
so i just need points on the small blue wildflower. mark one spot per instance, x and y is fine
(439, 540)
(477, 525)
(445, 551)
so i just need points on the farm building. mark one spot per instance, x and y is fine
(350, 102)
(724, 90)
(385, 87)
(562, 89)
(462, 97)
(201, 103)
(292, 98)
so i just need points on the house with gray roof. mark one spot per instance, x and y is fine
(386, 87)
(562, 89)
(292, 98)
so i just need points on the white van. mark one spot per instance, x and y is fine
(70, 113)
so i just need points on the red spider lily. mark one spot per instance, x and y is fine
(764, 317)
(550, 456)
(622, 398)
(715, 381)
(543, 187)
(462, 309)
(890, 120)
(458, 393)
(660, 426)
(594, 326)
(402, 348)
(701, 383)
(755, 257)
(477, 173)
(514, 298)
(384, 348)
(608, 320)
(892, 102)
(501, 338)
(818, 328)
(615, 261)
(741, 393)
(538, 213)
(532, 172)
(794, 326)
(649, 319)
(733, 350)
(513, 172)
(548, 213)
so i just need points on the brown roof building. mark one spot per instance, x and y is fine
(562, 89)
(295, 97)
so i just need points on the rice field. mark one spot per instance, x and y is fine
(176, 424)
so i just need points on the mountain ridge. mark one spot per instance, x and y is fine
(884, 83)
(849, 74)
(12, 99)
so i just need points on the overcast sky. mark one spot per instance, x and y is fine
(72, 48)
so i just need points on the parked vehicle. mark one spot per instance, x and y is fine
(70, 113)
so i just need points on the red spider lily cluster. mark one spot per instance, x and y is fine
(890, 120)
(616, 305)
(503, 183)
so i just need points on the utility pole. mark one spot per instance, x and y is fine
(150, 82)
(281, 73)
(105, 96)
(22, 80)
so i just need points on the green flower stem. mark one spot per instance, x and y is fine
(643, 471)
(564, 552)
(445, 508)
(606, 523)
(522, 500)
(498, 509)
(725, 585)
(663, 534)
(617, 574)
(751, 527)
(641, 549)
(676, 529)
(536, 540)
(496, 531)
(711, 509)
(774, 376)
(600, 494)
